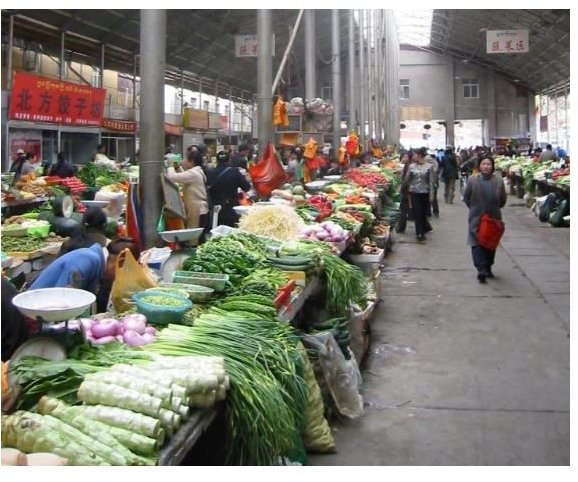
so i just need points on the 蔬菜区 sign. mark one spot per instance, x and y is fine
(42, 99)
(507, 41)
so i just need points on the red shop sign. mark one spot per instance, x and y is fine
(119, 125)
(42, 99)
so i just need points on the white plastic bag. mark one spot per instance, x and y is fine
(116, 202)
(342, 376)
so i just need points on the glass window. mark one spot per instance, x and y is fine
(471, 88)
(95, 77)
(404, 88)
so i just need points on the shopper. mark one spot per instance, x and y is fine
(223, 183)
(449, 174)
(194, 182)
(404, 203)
(420, 180)
(62, 168)
(548, 154)
(21, 167)
(92, 230)
(240, 158)
(433, 206)
(485, 193)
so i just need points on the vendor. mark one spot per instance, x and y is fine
(93, 230)
(334, 169)
(190, 174)
(239, 159)
(223, 183)
(21, 166)
(101, 159)
(14, 330)
(82, 268)
(62, 168)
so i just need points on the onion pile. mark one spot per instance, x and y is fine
(327, 231)
(130, 330)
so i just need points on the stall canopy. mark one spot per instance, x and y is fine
(200, 43)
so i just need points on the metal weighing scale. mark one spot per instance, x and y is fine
(51, 306)
(185, 241)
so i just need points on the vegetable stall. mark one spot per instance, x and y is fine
(259, 325)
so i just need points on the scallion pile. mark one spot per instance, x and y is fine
(267, 396)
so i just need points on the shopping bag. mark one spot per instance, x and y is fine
(130, 278)
(490, 231)
(268, 173)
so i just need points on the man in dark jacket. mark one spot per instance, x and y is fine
(449, 174)
(223, 183)
(239, 159)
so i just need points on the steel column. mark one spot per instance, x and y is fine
(310, 64)
(336, 77)
(134, 74)
(152, 69)
(6, 161)
(264, 78)
(61, 77)
(101, 84)
(369, 76)
(352, 121)
(362, 79)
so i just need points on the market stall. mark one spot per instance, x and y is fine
(263, 322)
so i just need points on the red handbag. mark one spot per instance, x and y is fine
(490, 232)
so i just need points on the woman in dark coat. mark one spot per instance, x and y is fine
(485, 193)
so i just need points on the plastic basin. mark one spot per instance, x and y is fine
(161, 314)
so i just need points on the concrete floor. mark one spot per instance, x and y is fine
(461, 373)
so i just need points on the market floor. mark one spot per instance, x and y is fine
(461, 373)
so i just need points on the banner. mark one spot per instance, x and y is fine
(42, 99)
(247, 46)
(507, 42)
(119, 125)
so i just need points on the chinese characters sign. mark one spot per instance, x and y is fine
(246, 46)
(119, 125)
(507, 42)
(41, 99)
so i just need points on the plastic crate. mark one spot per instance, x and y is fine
(211, 280)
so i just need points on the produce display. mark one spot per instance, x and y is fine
(98, 176)
(236, 255)
(278, 222)
(127, 388)
(130, 330)
(24, 244)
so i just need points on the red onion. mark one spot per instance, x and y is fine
(148, 338)
(104, 340)
(132, 338)
(105, 327)
(135, 322)
(150, 330)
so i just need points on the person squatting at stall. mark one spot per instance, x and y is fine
(420, 183)
(223, 183)
(485, 193)
(194, 182)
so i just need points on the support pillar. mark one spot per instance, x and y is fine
(152, 73)
(61, 77)
(336, 77)
(362, 80)
(352, 119)
(310, 64)
(264, 78)
(6, 160)
(451, 108)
